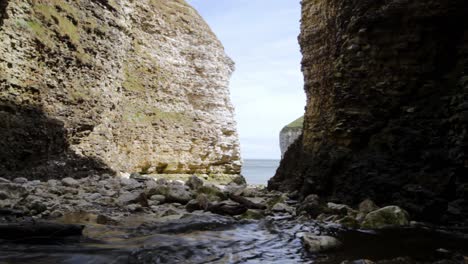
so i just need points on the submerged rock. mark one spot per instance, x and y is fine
(390, 216)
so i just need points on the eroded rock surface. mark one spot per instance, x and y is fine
(386, 115)
(112, 85)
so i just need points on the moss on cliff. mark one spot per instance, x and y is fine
(298, 123)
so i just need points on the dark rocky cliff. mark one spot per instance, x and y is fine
(387, 109)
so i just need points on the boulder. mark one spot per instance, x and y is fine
(159, 198)
(194, 182)
(70, 182)
(178, 194)
(316, 244)
(20, 180)
(367, 206)
(282, 208)
(311, 206)
(340, 209)
(389, 216)
(128, 198)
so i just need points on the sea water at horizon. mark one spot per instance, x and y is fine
(259, 171)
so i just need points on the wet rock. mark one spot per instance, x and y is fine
(252, 214)
(316, 244)
(178, 194)
(20, 180)
(187, 223)
(389, 216)
(227, 208)
(194, 182)
(282, 208)
(311, 206)
(70, 182)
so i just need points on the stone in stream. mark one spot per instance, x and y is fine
(316, 244)
(389, 216)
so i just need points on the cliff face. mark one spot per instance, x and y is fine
(289, 134)
(387, 108)
(115, 85)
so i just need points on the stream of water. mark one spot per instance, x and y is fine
(217, 239)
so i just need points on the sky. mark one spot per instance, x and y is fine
(267, 86)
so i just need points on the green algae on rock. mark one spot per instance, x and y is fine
(129, 86)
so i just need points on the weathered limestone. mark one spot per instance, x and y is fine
(112, 85)
(289, 134)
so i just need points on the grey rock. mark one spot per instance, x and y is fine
(20, 180)
(317, 244)
(311, 206)
(194, 182)
(70, 182)
(178, 194)
(281, 207)
(158, 198)
(389, 216)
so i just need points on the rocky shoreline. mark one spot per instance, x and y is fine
(141, 205)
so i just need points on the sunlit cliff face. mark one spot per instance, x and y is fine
(129, 86)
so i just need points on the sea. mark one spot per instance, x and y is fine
(259, 171)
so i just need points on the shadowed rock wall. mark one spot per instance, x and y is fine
(387, 109)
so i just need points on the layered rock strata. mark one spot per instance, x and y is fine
(112, 85)
(289, 134)
(387, 106)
